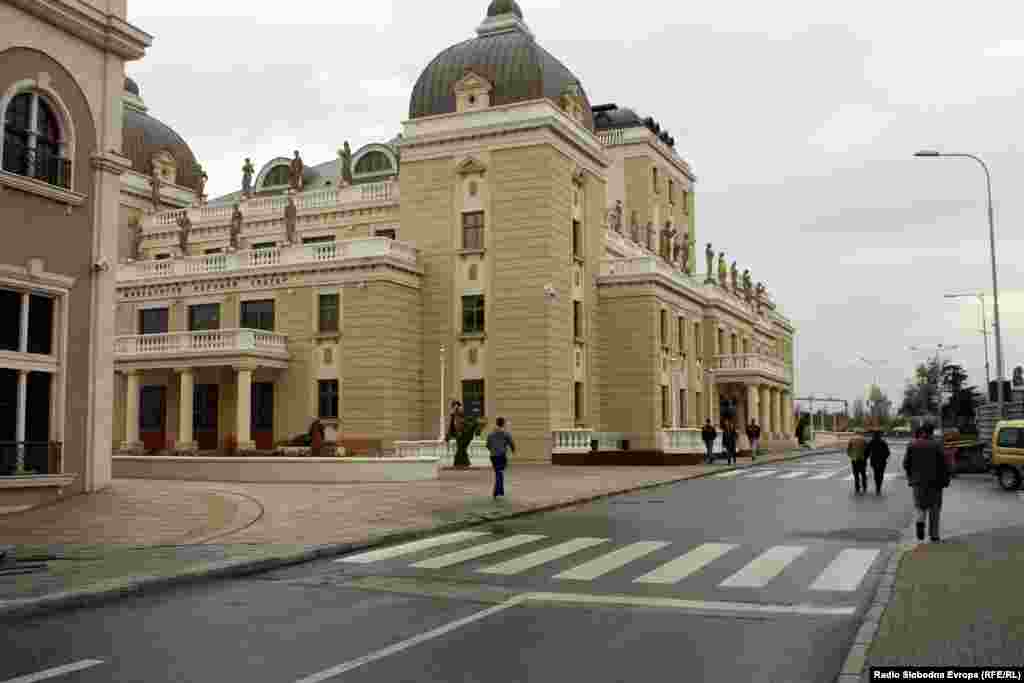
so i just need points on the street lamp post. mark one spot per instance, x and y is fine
(1000, 370)
(984, 328)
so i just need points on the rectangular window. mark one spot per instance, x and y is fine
(664, 327)
(473, 230)
(10, 311)
(151, 408)
(389, 233)
(328, 312)
(40, 324)
(681, 324)
(154, 321)
(577, 402)
(696, 339)
(327, 390)
(473, 397)
(264, 245)
(654, 180)
(258, 315)
(217, 250)
(473, 314)
(577, 240)
(204, 317)
(666, 409)
(162, 257)
(671, 192)
(721, 343)
(699, 409)
(577, 319)
(682, 408)
(318, 240)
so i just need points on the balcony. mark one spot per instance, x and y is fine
(646, 266)
(205, 347)
(275, 257)
(741, 366)
(305, 202)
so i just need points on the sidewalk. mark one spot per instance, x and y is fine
(144, 534)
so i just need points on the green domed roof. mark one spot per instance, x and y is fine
(517, 67)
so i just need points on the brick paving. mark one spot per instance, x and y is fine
(149, 512)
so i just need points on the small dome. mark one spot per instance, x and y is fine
(145, 136)
(131, 86)
(504, 7)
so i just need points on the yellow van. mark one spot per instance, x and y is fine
(1008, 453)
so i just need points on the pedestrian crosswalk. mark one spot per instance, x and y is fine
(798, 475)
(663, 563)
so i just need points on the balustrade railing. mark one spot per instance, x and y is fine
(751, 361)
(611, 137)
(421, 449)
(682, 440)
(572, 440)
(203, 341)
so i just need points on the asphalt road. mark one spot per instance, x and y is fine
(757, 576)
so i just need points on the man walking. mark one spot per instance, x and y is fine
(708, 433)
(878, 456)
(855, 449)
(499, 442)
(729, 442)
(927, 475)
(754, 434)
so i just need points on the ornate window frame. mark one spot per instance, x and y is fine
(265, 171)
(370, 176)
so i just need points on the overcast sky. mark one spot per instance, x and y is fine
(799, 118)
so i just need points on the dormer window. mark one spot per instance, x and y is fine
(472, 91)
(33, 141)
(278, 176)
(165, 167)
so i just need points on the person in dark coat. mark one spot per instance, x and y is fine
(878, 455)
(729, 442)
(754, 434)
(708, 433)
(499, 443)
(316, 436)
(927, 474)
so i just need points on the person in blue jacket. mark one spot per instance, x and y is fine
(499, 443)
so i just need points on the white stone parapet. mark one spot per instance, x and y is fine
(754, 362)
(681, 440)
(248, 259)
(421, 449)
(572, 440)
(201, 342)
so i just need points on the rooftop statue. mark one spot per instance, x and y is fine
(709, 254)
(295, 171)
(345, 157)
(735, 273)
(634, 227)
(247, 170)
(236, 227)
(291, 214)
(746, 284)
(650, 235)
(186, 227)
(155, 186)
(686, 252)
(723, 271)
(202, 181)
(615, 217)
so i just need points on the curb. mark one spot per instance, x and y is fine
(855, 668)
(139, 585)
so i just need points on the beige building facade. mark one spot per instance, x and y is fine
(516, 247)
(61, 70)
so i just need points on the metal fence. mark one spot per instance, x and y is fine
(30, 457)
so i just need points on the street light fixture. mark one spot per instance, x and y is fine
(1000, 370)
(984, 327)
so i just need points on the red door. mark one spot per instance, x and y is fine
(262, 425)
(204, 415)
(153, 417)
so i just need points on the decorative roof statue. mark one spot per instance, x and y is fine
(202, 182)
(650, 235)
(735, 273)
(668, 233)
(185, 225)
(345, 157)
(236, 227)
(723, 271)
(615, 217)
(291, 214)
(686, 253)
(247, 170)
(295, 173)
(155, 184)
(709, 254)
(746, 284)
(634, 227)
(136, 238)
(759, 295)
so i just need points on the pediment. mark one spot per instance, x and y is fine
(472, 82)
(470, 166)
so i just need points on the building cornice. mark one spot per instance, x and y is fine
(111, 162)
(640, 136)
(105, 31)
(43, 189)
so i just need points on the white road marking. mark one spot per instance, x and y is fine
(617, 558)
(327, 674)
(846, 571)
(762, 474)
(413, 546)
(730, 473)
(539, 557)
(477, 551)
(56, 671)
(825, 475)
(681, 567)
(698, 605)
(765, 567)
(793, 475)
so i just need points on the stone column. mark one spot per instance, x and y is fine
(23, 323)
(765, 404)
(715, 408)
(776, 429)
(185, 410)
(131, 412)
(19, 418)
(753, 400)
(243, 405)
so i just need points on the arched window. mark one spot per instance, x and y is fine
(33, 140)
(277, 176)
(373, 162)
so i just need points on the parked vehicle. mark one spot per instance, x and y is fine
(1008, 453)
